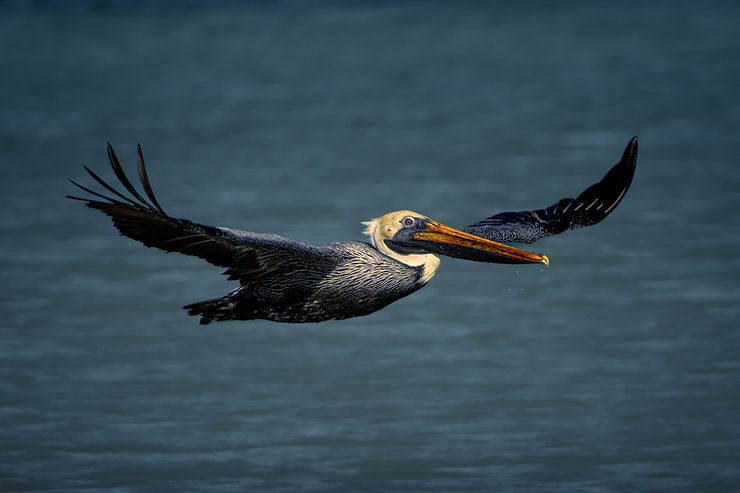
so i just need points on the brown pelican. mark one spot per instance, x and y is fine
(288, 281)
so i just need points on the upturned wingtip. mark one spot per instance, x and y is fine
(630, 153)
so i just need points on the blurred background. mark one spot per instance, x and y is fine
(614, 369)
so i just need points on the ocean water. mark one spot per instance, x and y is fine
(616, 368)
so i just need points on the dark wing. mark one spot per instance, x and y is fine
(590, 207)
(247, 256)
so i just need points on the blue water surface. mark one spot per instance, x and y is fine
(614, 369)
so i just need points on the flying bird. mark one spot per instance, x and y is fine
(288, 281)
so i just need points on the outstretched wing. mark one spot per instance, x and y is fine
(590, 207)
(247, 256)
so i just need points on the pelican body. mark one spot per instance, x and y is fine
(305, 283)
(288, 281)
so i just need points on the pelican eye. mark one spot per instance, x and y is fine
(408, 221)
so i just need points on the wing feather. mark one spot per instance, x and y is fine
(590, 207)
(118, 170)
(144, 178)
(247, 256)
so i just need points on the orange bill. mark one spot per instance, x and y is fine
(472, 247)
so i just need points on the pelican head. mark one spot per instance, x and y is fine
(413, 238)
(382, 230)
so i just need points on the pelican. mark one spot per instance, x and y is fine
(288, 281)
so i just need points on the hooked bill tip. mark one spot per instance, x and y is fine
(545, 260)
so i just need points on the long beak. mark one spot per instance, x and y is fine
(452, 242)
